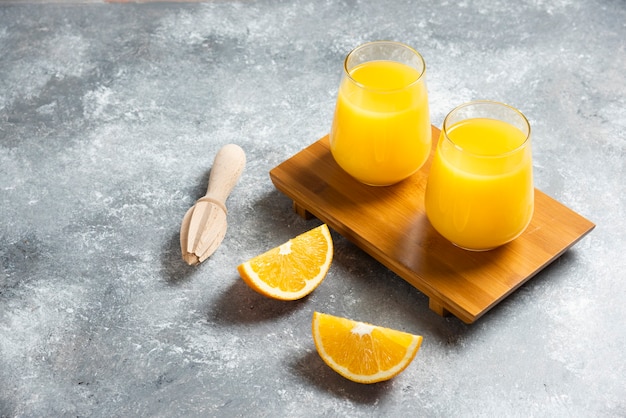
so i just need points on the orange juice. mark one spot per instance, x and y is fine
(381, 128)
(480, 191)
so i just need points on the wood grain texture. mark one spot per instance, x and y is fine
(390, 224)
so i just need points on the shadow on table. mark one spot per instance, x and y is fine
(250, 306)
(311, 368)
(175, 269)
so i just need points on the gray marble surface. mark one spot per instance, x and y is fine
(110, 116)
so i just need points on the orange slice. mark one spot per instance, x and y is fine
(361, 352)
(293, 269)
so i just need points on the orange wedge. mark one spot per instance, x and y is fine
(361, 352)
(293, 269)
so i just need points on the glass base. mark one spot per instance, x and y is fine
(477, 250)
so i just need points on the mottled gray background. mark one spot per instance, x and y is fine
(110, 116)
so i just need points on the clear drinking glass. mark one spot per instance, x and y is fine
(381, 131)
(480, 192)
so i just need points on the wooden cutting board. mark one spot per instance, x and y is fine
(390, 224)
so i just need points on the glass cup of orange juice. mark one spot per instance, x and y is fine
(381, 130)
(480, 192)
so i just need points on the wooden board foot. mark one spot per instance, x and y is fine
(437, 307)
(300, 210)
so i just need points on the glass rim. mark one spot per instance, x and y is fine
(521, 146)
(394, 43)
